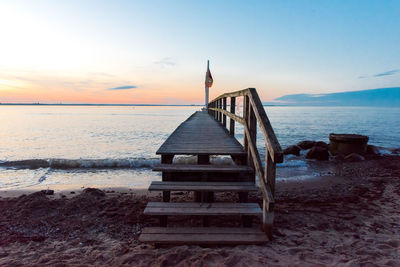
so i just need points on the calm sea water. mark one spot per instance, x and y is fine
(44, 146)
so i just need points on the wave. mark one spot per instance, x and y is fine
(125, 163)
(81, 163)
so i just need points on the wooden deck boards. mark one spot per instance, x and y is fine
(203, 236)
(195, 208)
(200, 134)
(203, 186)
(203, 168)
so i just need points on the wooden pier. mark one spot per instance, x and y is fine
(205, 134)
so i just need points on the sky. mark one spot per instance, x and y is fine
(157, 51)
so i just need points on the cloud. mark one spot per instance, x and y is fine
(124, 87)
(386, 73)
(166, 62)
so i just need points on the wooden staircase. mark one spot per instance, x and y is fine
(205, 134)
(204, 208)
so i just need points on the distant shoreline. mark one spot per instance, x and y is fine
(112, 105)
(128, 105)
(185, 105)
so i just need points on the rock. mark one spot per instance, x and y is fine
(348, 143)
(318, 152)
(322, 144)
(395, 151)
(372, 150)
(292, 150)
(306, 144)
(354, 157)
(93, 192)
(48, 192)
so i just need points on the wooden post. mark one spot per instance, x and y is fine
(218, 106)
(268, 218)
(246, 120)
(167, 159)
(224, 116)
(268, 209)
(232, 122)
(216, 112)
(203, 159)
(270, 171)
(252, 124)
(220, 113)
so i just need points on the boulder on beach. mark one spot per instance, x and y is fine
(395, 151)
(354, 157)
(292, 150)
(93, 192)
(48, 192)
(348, 143)
(318, 152)
(322, 144)
(306, 144)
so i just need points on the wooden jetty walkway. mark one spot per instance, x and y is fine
(205, 134)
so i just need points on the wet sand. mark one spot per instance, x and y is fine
(351, 217)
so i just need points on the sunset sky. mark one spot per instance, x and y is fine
(156, 51)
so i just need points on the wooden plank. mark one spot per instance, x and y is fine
(203, 236)
(207, 209)
(201, 134)
(192, 205)
(230, 115)
(201, 230)
(202, 168)
(203, 186)
(232, 94)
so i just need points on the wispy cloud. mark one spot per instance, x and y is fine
(166, 62)
(386, 73)
(124, 87)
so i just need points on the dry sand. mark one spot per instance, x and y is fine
(350, 218)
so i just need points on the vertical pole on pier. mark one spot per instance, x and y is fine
(207, 83)
(224, 108)
(231, 121)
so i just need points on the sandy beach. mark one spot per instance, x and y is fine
(348, 218)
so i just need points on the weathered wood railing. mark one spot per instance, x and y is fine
(253, 112)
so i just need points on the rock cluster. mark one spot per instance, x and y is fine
(321, 151)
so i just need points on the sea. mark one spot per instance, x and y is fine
(59, 146)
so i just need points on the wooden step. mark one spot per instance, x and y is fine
(195, 208)
(203, 236)
(203, 168)
(203, 186)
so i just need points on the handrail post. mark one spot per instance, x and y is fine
(220, 113)
(252, 124)
(246, 119)
(215, 112)
(232, 122)
(270, 171)
(224, 116)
